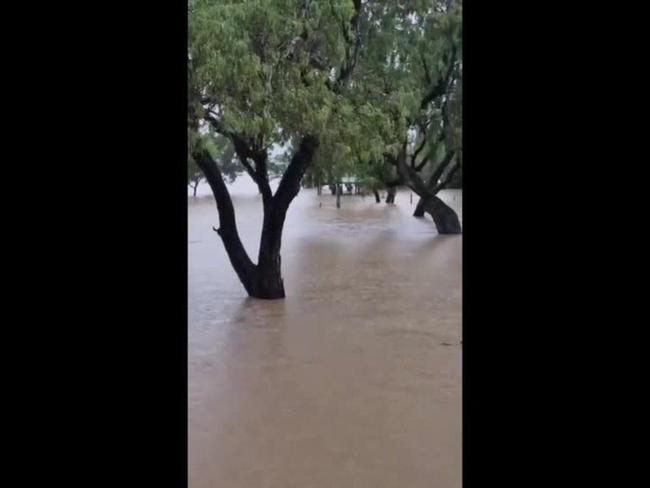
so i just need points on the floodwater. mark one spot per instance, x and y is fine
(354, 379)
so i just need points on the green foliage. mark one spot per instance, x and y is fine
(263, 69)
(410, 50)
(258, 61)
(223, 153)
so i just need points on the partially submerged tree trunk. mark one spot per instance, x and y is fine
(390, 194)
(443, 216)
(338, 196)
(194, 188)
(268, 283)
(264, 279)
(419, 208)
(377, 198)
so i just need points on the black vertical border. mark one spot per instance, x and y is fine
(141, 175)
(520, 272)
(110, 225)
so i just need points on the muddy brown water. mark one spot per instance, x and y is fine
(354, 379)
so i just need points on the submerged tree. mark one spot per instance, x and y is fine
(411, 69)
(437, 122)
(263, 72)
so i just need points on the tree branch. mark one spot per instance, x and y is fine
(422, 164)
(427, 76)
(417, 151)
(227, 224)
(290, 183)
(441, 86)
(244, 151)
(433, 179)
(351, 58)
(448, 177)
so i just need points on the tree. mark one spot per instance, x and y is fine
(263, 72)
(411, 70)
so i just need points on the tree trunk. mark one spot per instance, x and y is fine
(268, 280)
(269, 283)
(338, 196)
(376, 193)
(390, 194)
(194, 188)
(333, 189)
(319, 187)
(263, 280)
(419, 208)
(227, 230)
(443, 216)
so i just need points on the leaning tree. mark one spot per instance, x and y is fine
(411, 67)
(263, 72)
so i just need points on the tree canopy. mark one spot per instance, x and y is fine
(349, 87)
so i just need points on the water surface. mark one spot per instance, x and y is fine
(354, 379)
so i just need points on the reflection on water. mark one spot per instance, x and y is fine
(354, 379)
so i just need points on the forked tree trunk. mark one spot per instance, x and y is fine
(443, 216)
(264, 279)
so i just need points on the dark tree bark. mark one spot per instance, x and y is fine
(227, 230)
(376, 193)
(419, 208)
(338, 196)
(434, 185)
(443, 216)
(269, 283)
(390, 194)
(332, 189)
(264, 279)
(194, 188)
